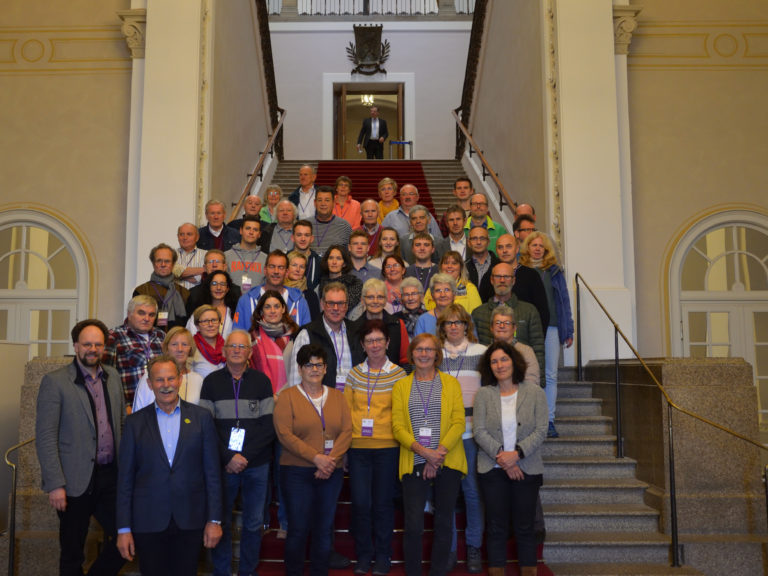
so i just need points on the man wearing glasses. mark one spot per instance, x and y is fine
(214, 261)
(528, 328)
(478, 209)
(523, 226)
(241, 402)
(480, 262)
(335, 333)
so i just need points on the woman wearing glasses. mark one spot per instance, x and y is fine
(461, 359)
(314, 429)
(268, 214)
(374, 300)
(374, 452)
(209, 345)
(412, 293)
(217, 292)
(510, 426)
(443, 287)
(466, 292)
(428, 422)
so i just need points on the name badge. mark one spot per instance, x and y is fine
(236, 439)
(340, 386)
(425, 437)
(245, 284)
(327, 447)
(162, 318)
(367, 429)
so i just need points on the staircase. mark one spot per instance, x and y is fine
(596, 519)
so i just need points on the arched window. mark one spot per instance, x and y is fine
(43, 282)
(719, 293)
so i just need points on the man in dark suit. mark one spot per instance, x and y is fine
(80, 412)
(169, 493)
(372, 135)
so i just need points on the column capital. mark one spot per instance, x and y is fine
(624, 24)
(134, 29)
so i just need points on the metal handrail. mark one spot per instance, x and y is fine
(257, 171)
(12, 518)
(670, 405)
(504, 198)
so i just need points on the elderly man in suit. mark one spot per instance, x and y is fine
(80, 412)
(169, 493)
(372, 135)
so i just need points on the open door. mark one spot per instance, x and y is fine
(352, 103)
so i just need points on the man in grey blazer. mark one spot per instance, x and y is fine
(80, 413)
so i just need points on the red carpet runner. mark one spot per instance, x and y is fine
(365, 176)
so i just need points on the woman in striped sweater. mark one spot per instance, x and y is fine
(373, 455)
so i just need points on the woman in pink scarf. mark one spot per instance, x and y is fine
(271, 331)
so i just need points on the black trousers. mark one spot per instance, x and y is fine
(374, 149)
(415, 492)
(172, 552)
(97, 501)
(504, 499)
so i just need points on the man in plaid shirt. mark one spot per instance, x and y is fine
(130, 346)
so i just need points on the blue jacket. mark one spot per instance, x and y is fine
(294, 301)
(562, 303)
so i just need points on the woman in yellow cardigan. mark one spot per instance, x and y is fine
(428, 421)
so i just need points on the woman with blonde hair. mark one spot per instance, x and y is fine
(179, 343)
(538, 253)
(296, 277)
(389, 245)
(466, 292)
(387, 192)
(209, 345)
(268, 212)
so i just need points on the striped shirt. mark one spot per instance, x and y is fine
(426, 396)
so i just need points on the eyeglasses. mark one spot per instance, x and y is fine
(503, 323)
(214, 284)
(425, 350)
(391, 266)
(411, 295)
(314, 365)
(329, 304)
(475, 238)
(526, 229)
(478, 203)
(506, 277)
(214, 261)
(374, 297)
(369, 341)
(237, 347)
(443, 291)
(454, 323)
(208, 321)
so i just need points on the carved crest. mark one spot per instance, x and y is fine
(368, 53)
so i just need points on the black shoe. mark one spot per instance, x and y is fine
(382, 567)
(339, 561)
(552, 431)
(451, 564)
(474, 560)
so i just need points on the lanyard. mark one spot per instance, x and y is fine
(242, 260)
(372, 390)
(462, 355)
(306, 204)
(191, 257)
(168, 294)
(285, 242)
(429, 396)
(336, 348)
(327, 227)
(373, 239)
(236, 391)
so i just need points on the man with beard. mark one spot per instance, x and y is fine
(80, 412)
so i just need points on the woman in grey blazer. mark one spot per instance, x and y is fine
(509, 425)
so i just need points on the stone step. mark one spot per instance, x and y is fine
(33, 512)
(601, 517)
(588, 467)
(631, 547)
(621, 569)
(583, 425)
(598, 445)
(592, 491)
(568, 389)
(579, 407)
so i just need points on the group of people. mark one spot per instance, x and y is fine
(314, 334)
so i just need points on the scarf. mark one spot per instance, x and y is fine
(280, 332)
(454, 351)
(300, 284)
(267, 357)
(410, 317)
(214, 355)
(171, 301)
(536, 262)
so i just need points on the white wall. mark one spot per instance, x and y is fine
(434, 54)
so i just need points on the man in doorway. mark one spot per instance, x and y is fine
(372, 135)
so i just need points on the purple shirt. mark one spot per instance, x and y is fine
(105, 442)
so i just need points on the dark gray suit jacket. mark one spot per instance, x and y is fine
(66, 431)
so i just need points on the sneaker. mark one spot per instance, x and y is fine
(552, 431)
(338, 561)
(474, 560)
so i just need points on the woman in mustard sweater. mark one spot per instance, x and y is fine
(373, 455)
(428, 422)
(314, 428)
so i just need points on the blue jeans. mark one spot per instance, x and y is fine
(372, 481)
(551, 362)
(252, 483)
(311, 507)
(473, 504)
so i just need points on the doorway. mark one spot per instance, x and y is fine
(352, 102)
